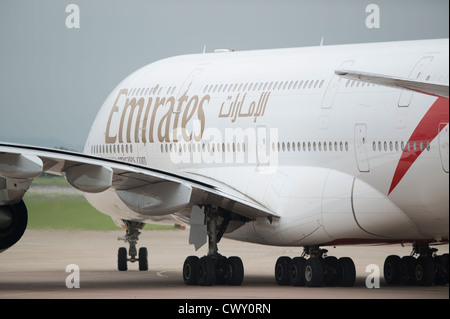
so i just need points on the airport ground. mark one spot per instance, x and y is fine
(35, 268)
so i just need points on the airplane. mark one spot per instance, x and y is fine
(298, 147)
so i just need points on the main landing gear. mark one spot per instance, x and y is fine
(423, 268)
(316, 271)
(213, 269)
(132, 237)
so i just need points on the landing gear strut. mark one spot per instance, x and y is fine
(423, 267)
(316, 271)
(131, 237)
(213, 268)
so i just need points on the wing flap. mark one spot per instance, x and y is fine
(435, 89)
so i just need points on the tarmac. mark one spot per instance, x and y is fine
(45, 263)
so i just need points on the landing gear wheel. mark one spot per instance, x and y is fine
(314, 273)
(441, 263)
(222, 271)
(190, 270)
(297, 271)
(236, 271)
(143, 259)
(331, 271)
(206, 271)
(122, 259)
(407, 266)
(392, 270)
(282, 273)
(348, 272)
(425, 271)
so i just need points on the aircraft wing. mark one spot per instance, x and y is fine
(144, 189)
(435, 89)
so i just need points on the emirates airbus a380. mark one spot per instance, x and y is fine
(305, 147)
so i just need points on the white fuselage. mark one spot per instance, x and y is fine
(339, 161)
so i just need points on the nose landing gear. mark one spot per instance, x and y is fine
(131, 237)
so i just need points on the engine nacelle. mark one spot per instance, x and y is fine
(13, 222)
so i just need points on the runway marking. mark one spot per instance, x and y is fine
(160, 274)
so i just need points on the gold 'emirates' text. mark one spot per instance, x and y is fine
(145, 113)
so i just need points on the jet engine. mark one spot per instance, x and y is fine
(13, 222)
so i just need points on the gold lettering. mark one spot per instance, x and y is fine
(131, 103)
(187, 117)
(181, 100)
(115, 109)
(265, 103)
(159, 101)
(221, 108)
(238, 108)
(201, 117)
(144, 121)
(166, 118)
(134, 109)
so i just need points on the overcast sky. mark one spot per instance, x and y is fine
(53, 79)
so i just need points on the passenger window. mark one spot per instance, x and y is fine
(290, 85)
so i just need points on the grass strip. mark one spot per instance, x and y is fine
(72, 211)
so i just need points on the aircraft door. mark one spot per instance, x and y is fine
(417, 71)
(188, 82)
(443, 145)
(330, 93)
(362, 159)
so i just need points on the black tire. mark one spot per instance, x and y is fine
(314, 273)
(190, 270)
(425, 271)
(206, 271)
(282, 273)
(297, 271)
(222, 271)
(143, 259)
(332, 271)
(391, 270)
(407, 267)
(347, 272)
(122, 259)
(441, 263)
(236, 271)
